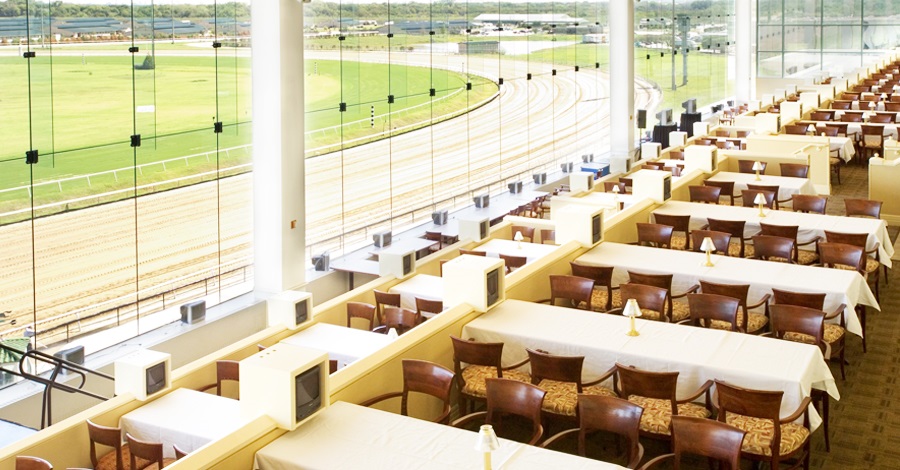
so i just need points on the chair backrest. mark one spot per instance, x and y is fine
(851, 117)
(144, 454)
(527, 232)
(107, 436)
(808, 203)
(841, 254)
(657, 235)
(676, 155)
(548, 235)
(720, 240)
(841, 104)
(795, 129)
(748, 197)
(784, 231)
(754, 403)
(795, 319)
(707, 438)
(862, 207)
(746, 166)
(855, 239)
(841, 128)
(821, 115)
(472, 252)
(226, 370)
(613, 415)
(648, 297)
(742, 133)
(795, 170)
(435, 237)
(179, 454)
(609, 185)
(707, 194)
(552, 367)
(24, 462)
(881, 119)
(385, 299)
(735, 291)
(802, 299)
(522, 399)
(828, 131)
(733, 227)
(513, 262)
(361, 310)
(601, 275)
(707, 307)
(428, 306)
(572, 288)
(723, 133)
(399, 318)
(427, 378)
(679, 223)
(767, 247)
(663, 281)
(872, 136)
(727, 188)
(633, 381)
(892, 105)
(476, 353)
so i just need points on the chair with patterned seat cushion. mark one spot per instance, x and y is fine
(651, 300)
(513, 262)
(727, 188)
(769, 437)
(110, 437)
(804, 257)
(605, 297)
(872, 260)
(422, 377)
(398, 318)
(675, 311)
(426, 308)
(772, 248)
(834, 333)
(847, 257)
(795, 129)
(510, 398)
(482, 361)
(755, 323)
(714, 311)
(720, 240)
(576, 292)
(527, 232)
(871, 142)
(655, 235)
(862, 208)
(146, 455)
(822, 115)
(795, 170)
(560, 377)
(701, 437)
(681, 229)
(655, 392)
(736, 246)
(607, 414)
(24, 462)
(705, 194)
(809, 203)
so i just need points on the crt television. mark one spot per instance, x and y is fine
(307, 393)
(156, 378)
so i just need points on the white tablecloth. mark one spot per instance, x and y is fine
(186, 418)
(424, 286)
(811, 225)
(608, 200)
(840, 286)
(698, 354)
(351, 437)
(890, 130)
(341, 343)
(787, 186)
(532, 251)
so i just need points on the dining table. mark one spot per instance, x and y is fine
(787, 185)
(424, 286)
(343, 344)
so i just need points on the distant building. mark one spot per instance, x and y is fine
(529, 18)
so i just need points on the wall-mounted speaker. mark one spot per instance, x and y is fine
(193, 312)
(642, 119)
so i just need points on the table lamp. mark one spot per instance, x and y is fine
(757, 167)
(632, 309)
(760, 199)
(811, 129)
(615, 191)
(392, 334)
(708, 246)
(871, 105)
(518, 238)
(884, 97)
(487, 442)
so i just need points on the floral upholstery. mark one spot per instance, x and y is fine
(756, 322)
(680, 311)
(679, 241)
(872, 264)
(474, 377)
(658, 413)
(562, 397)
(847, 267)
(833, 334)
(598, 298)
(807, 257)
(108, 460)
(648, 314)
(834, 161)
(760, 432)
(734, 249)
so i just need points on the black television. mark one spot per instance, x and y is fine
(308, 393)
(156, 378)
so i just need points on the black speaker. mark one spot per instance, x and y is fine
(193, 312)
(642, 119)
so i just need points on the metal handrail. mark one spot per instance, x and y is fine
(50, 383)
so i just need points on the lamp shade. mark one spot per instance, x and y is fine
(811, 128)
(757, 166)
(871, 104)
(632, 309)
(759, 199)
(615, 189)
(707, 244)
(518, 237)
(487, 439)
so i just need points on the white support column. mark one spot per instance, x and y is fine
(744, 79)
(279, 225)
(621, 82)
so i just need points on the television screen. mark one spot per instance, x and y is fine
(301, 312)
(493, 287)
(308, 393)
(156, 378)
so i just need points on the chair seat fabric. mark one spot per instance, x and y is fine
(734, 249)
(562, 397)
(474, 377)
(834, 161)
(598, 299)
(657, 415)
(679, 241)
(756, 322)
(807, 257)
(108, 460)
(833, 333)
(680, 311)
(760, 433)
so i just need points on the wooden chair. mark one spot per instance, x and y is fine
(809, 203)
(473, 252)
(705, 438)
(758, 413)
(510, 397)
(723, 133)
(714, 311)
(844, 256)
(482, 361)
(795, 129)
(851, 117)
(748, 198)
(179, 454)
(606, 414)
(721, 240)
(650, 299)
(795, 170)
(742, 134)
(145, 454)
(850, 96)
(805, 257)
(109, 437)
(428, 308)
(560, 377)
(225, 371)
(807, 325)
(676, 155)
(736, 246)
(676, 311)
(776, 203)
(426, 378)
(705, 194)
(513, 262)
(655, 392)
(363, 311)
(385, 299)
(605, 297)
(822, 115)
(527, 232)
(576, 291)
(879, 118)
(871, 142)
(548, 235)
(727, 188)
(609, 185)
(24, 462)
(749, 322)
(872, 261)
(434, 237)
(862, 208)
(681, 229)
(772, 248)
(892, 106)
(746, 166)
(655, 235)
(398, 318)
(842, 104)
